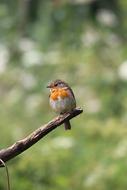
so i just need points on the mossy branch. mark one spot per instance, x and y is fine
(22, 145)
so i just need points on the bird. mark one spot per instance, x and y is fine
(61, 99)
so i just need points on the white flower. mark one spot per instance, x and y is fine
(26, 44)
(93, 106)
(95, 176)
(4, 56)
(107, 17)
(90, 37)
(81, 1)
(27, 80)
(122, 71)
(32, 57)
(63, 142)
(121, 149)
(57, 143)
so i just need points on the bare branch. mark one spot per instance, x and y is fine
(21, 145)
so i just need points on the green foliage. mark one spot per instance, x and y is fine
(83, 44)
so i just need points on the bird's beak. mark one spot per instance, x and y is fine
(49, 86)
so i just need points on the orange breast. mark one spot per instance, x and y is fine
(54, 94)
(63, 93)
(58, 92)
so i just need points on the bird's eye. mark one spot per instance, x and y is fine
(55, 84)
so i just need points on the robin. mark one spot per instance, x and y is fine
(61, 98)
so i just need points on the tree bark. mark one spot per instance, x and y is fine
(22, 145)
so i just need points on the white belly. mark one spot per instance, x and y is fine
(63, 105)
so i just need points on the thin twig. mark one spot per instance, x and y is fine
(7, 174)
(21, 145)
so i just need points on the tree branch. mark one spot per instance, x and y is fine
(22, 145)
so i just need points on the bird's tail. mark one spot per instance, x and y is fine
(67, 125)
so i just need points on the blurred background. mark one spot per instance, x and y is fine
(83, 42)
